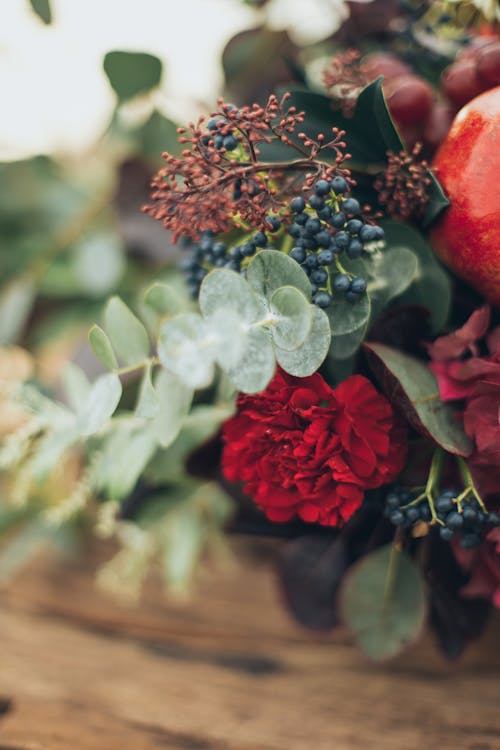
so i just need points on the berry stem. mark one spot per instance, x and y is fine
(470, 487)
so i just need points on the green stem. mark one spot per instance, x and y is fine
(469, 482)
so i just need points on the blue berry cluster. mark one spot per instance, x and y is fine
(469, 521)
(220, 134)
(324, 227)
(211, 252)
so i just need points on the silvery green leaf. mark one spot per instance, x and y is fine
(271, 269)
(343, 347)
(229, 334)
(129, 337)
(293, 317)
(183, 543)
(76, 386)
(164, 299)
(148, 403)
(51, 448)
(257, 365)
(100, 404)
(346, 317)
(99, 263)
(305, 360)
(225, 288)
(186, 348)
(175, 399)
(101, 346)
(125, 453)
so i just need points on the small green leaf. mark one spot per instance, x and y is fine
(293, 317)
(129, 337)
(175, 401)
(184, 539)
(76, 386)
(223, 287)
(101, 402)
(164, 299)
(271, 269)
(148, 403)
(305, 360)
(391, 271)
(437, 201)
(101, 346)
(383, 602)
(132, 73)
(413, 388)
(186, 348)
(43, 10)
(255, 369)
(125, 454)
(229, 335)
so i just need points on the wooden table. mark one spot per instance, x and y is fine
(227, 671)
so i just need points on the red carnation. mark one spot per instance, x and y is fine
(304, 449)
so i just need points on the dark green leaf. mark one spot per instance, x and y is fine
(412, 387)
(157, 135)
(437, 201)
(132, 73)
(432, 287)
(42, 9)
(383, 602)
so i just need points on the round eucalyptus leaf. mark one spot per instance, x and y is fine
(185, 347)
(293, 317)
(305, 360)
(346, 317)
(256, 367)
(225, 288)
(229, 334)
(270, 269)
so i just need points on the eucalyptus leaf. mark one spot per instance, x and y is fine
(343, 347)
(383, 602)
(100, 404)
(413, 388)
(101, 346)
(256, 367)
(125, 453)
(148, 402)
(432, 286)
(186, 348)
(128, 336)
(164, 299)
(229, 334)
(391, 270)
(183, 543)
(132, 73)
(293, 314)
(229, 289)
(43, 10)
(175, 399)
(346, 317)
(51, 448)
(76, 386)
(305, 360)
(270, 269)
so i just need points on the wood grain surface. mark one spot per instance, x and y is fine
(227, 670)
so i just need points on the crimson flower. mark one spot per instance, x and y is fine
(301, 448)
(463, 374)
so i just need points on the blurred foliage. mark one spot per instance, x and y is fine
(42, 9)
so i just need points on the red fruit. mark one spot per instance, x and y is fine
(383, 64)
(488, 64)
(409, 99)
(467, 234)
(460, 82)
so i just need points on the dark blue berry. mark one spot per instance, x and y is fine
(367, 233)
(323, 238)
(273, 223)
(314, 288)
(325, 213)
(230, 142)
(218, 141)
(312, 225)
(294, 230)
(470, 515)
(341, 282)
(493, 519)
(213, 124)
(354, 225)
(319, 276)
(298, 254)
(351, 297)
(339, 185)
(358, 285)
(355, 249)
(233, 265)
(397, 517)
(301, 219)
(379, 233)
(446, 534)
(325, 257)
(412, 514)
(236, 253)
(444, 502)
(219, 249)
(322, 299)
(341, 239)
(351, 206)
(248, 249)
(322, 187)
(425, 512)
(311, 262)
(297, 204)
(454, 520)
(316, 202)
(393, 500)
(260, 239)
(338, 220)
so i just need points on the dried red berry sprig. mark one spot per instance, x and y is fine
(344, 77)
(403, 189)
(220, 182)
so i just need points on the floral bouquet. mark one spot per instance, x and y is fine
(313, 371)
